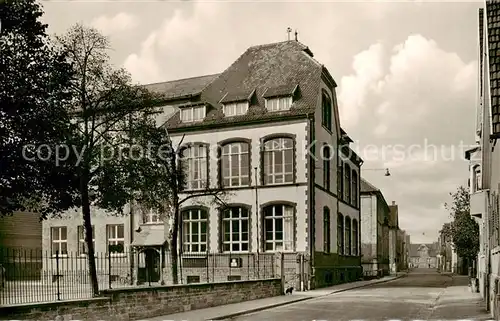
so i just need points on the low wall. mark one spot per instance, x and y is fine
(145, 302)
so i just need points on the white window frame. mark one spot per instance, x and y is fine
(188, 225)
(271, 148)
(476, 178)
(237, 216)
(81, 240)
(235, 108)
(287, 220)
(151, 217)
(195, 160)
(59, 240)
(278, 103)
(115, 240)
(227, 164)
(193, 114)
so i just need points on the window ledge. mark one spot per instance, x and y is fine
(327, 129)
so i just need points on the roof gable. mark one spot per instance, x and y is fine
(262, 68)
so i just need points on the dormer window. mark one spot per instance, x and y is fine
(281, 97)
(236, 108)
(278, 103)
(193, 113)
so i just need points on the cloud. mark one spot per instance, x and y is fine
(415, 112)
(120, 22)
(354, 88)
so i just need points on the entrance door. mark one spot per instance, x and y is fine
(152, 265)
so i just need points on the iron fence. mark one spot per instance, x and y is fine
(31, 276)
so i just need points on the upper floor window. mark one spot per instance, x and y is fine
(354, 196)
(326, 106)
(278, 162)
(59, 239)
(340, 178)
(326, 230)
(278, 228)
(115, 235)
(347, 183)
(82, 245)
(355, 238)
(476, 178)
(235, 164)
(151, 217)
(326, 166)
(348, 236)
(192, 114)
(195, 164)
(194, 230)
(278, 103)
(340, 234)
(235, 224)
(235, 108)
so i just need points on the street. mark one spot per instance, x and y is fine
(422, 295)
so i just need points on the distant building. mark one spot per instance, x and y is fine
(423, 255)
(374, 230)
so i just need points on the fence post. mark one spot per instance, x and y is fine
(109, 269)
(57, 276)
(282, 267)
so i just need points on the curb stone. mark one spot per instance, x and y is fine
(271, 306)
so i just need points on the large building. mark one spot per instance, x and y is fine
(375, 215)
(266, 132)
(484, 159)
(424, 256)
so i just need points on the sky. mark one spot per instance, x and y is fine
(406, 75)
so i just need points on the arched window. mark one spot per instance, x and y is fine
(326, 230)
(194, 159)
(278, 159)
(347, 183)
(355, 238)
(355, 191)
(348, 236)
(278, 227)
(326, 104)
(476, 178)
(194, 230)
(340, 234)
(235, 227)
(235, 164)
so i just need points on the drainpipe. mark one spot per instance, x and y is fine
(311, 202)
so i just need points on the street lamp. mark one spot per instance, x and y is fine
(387, 173)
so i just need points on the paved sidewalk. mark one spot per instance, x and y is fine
(236, 309)
(458, 302)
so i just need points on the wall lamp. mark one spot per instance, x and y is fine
(387, 173)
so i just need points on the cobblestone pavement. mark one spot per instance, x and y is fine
(422, 295)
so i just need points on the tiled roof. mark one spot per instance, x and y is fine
(493, 23)
(366, 187)
(182, 87)
(260, 68)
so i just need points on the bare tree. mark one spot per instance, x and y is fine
(112, 115)
(216, 196)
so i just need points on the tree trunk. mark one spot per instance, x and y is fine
(173, 249)
(84, 190)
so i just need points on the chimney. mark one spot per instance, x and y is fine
(393, 203)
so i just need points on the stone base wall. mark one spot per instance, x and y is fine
(138, 303)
